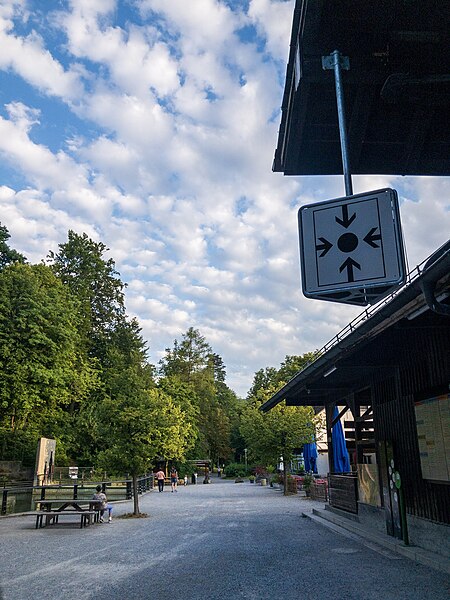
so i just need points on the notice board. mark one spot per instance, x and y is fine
(433, 430)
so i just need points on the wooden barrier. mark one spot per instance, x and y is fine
(343, 492)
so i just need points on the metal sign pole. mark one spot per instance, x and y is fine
(336, 62)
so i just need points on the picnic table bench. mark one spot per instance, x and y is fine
(52, 510)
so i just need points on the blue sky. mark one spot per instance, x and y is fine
(151, 126)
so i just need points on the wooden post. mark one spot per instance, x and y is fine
(329, 420)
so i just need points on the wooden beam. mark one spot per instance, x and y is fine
(359, 120)
(341, 414)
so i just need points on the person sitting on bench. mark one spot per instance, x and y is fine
(100, 497)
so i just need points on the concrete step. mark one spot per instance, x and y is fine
(382, 544)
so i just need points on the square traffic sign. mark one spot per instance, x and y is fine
(352, 244)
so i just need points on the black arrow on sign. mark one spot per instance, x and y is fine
(371, 237)
(325, 246)
(348, 264)
(345, 221)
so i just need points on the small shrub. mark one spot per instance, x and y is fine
(235, 470)
(307, 482)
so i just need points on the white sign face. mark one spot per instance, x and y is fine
(73, 472)
(351, 242)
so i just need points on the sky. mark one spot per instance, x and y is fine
(151, 126)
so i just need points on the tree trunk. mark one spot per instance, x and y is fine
(135, 495)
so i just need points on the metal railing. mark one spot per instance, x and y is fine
(17, 499)
(366, 314)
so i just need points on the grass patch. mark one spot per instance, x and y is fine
(141, 515)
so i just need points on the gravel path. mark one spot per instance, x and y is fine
(218, 541)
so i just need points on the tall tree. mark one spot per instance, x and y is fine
(291, 366)
(276, 434)
(262, 380)
(189, 358)
(8, 256)
(42, 370)
(139, 429)
(283, 429)
(109, 339)
(81, 264)
(193, 363)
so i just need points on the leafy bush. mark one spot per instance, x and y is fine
(277, 478)
(18, 446)
(235, 470)
(307, 481)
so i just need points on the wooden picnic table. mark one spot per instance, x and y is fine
(88, 510)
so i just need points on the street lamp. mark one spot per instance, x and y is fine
(245, 454)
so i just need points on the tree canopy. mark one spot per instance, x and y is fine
(74, 366)
(8, 255)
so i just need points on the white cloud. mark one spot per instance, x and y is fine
(167, 160)
(29, 58)
(273, 19)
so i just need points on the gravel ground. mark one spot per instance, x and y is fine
(218, 541)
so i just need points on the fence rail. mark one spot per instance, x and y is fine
(16, 499)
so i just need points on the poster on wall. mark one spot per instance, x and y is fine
(433, 430)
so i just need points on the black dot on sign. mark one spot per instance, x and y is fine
(347, 242)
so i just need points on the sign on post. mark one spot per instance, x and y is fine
(351, 248)
(73, 472)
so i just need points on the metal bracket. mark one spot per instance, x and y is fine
(329, 62)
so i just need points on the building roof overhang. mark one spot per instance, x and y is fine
(397, 91)
(368, 344)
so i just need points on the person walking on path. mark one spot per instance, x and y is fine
(160, 476)
(174, 479)
(100, 497)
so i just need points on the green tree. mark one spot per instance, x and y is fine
(8, 256)
(262, 380)
(43, 373)
(276, 434)
(110, 340)
(91, 277)
(189, 359)
(193, 362)
(284, 429)
(184, 396)
(140, 429)
(291, 366)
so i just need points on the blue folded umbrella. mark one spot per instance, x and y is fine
(310, 457)
(340, 453)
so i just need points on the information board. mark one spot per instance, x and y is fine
(433, 430)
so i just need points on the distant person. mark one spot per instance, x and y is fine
(100, 497)
(174, 479)
(160, 476)
(185, 480)
(219, 472)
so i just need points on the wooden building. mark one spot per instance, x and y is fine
(389, 370)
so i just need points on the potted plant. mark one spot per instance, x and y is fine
(307, 483)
